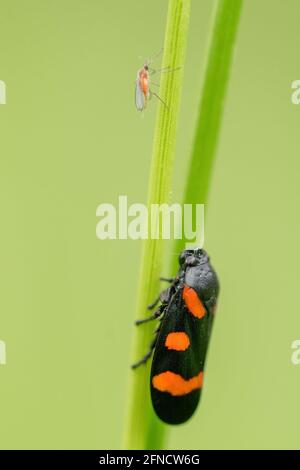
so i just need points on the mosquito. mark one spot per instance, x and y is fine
(143, 92)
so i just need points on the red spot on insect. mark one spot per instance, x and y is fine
(178, 341)
(193, 303)
(175, 384)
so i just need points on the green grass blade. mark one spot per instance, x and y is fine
(217, 70)
(140, 425)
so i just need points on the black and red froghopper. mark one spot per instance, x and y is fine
(181, 340)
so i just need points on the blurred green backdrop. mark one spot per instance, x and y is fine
(72, 139)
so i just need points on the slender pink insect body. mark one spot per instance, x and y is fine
(142, 89)
(142, 84)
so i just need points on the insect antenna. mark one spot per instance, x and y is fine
(149, 61)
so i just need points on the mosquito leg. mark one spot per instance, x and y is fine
(154, 71)
(163, 70)
(159, 98)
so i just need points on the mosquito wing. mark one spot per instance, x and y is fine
(139, 97)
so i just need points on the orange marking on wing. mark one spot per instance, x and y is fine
(193, 303)
(179, 341)
(175, 384)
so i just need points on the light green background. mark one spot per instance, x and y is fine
(71, 139)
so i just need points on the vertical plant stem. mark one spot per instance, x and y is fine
(210, 115)
(217, 71)
(138, 432)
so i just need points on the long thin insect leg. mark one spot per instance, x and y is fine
(163, 70)
(154, 71)
(153, 315)
(158, 97)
